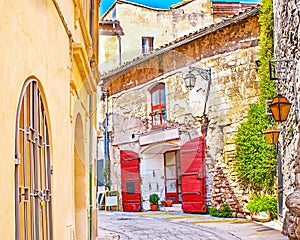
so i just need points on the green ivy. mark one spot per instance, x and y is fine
(266, 49)
(224, 211)
(255, 160)
(263, 203)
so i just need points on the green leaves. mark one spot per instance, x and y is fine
(224, 211)
(263, 203)
(255, 160)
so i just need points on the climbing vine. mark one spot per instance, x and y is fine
(255, 160)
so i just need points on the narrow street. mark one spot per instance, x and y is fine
(178, 225)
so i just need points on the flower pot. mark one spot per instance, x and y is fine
(153, 207)
(169, 203)
(163, 203)
(261, 216)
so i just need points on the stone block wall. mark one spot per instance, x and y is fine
(286, 46)
(231, 53)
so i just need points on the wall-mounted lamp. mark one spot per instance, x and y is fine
(190, 78)
(190, 81)
(272, 135)
(280, 105)
(280, 108)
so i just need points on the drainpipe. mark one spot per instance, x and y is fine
(91, 113)
(106, 146)
(91, 166)
(120, 49)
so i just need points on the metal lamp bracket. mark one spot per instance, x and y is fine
(279, 71)
(204, 73)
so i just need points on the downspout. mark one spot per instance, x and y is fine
(91, 165)
(120, 49)
(106, 146)
(91, 105)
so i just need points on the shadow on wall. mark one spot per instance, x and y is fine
(221, 191)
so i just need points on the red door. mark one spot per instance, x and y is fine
(193, 178)
(130, 176)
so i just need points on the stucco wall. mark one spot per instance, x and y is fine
(34, 43)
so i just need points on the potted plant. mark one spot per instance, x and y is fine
(169, 203)
(163, 203)
(153, 199)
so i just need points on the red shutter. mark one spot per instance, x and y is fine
(130, 176)
(193, 177)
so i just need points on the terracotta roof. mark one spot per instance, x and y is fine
(225, 9)
(181, 41)
(110, 28)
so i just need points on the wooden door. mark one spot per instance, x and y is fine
(171, 179)
(130, 176)
(193, 175)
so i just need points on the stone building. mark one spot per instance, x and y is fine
(49, 76)
(176, 141)
(286, 42)
(149, 28)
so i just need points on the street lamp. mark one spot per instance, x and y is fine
(190, 78)
(280, 106)
(272, 135)
(190, 81)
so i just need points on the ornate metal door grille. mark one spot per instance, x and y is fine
(33, 213)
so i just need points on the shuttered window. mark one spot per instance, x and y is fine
(158, 105)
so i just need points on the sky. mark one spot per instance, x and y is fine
(162, 4)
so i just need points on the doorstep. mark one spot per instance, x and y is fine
(174, 208)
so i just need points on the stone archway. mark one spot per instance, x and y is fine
(80, 182)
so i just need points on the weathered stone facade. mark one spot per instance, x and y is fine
(229, 49)
(286, 46)
(163, 25)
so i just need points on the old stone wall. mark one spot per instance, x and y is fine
(286, 46)
(231, 53)
(163, 25)
(241, 35)
(234, 87)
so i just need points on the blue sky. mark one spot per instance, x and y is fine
(165, 4)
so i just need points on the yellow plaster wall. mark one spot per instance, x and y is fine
(34, 43)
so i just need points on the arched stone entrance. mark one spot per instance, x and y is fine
(80, 182)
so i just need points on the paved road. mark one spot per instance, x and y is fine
(176, 226)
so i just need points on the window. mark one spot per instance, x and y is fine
(158, 105)
(114, 13)
(147, 44)
(33, 207)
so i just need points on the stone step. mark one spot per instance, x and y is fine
(174, 208)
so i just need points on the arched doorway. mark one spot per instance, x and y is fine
(80, 182)
(33, 210)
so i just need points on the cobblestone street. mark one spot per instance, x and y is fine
(177, 225)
